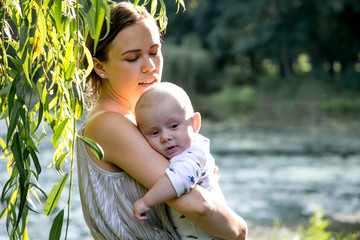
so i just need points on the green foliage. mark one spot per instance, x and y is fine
(42, 83)
(274, 34)
(341, 106)
(231, 101)
(317, 230)
(188, 65)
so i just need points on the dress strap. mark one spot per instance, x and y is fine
(89, 118)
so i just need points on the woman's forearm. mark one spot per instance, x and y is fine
(213, 216)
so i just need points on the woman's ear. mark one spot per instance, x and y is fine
(196, 122)
(99, 68)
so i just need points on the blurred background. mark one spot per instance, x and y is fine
(272, 58)
(278, 85)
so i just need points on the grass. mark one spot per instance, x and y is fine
(317, 229)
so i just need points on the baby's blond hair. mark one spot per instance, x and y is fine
(159, 94)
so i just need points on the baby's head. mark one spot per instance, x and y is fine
(165, 116)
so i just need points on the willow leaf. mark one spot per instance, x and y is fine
(23, 183)
(57, 15)
(99, 19)
(6, 90)
(8, 3)
(35, 160)
(153, 7)
(59, 130)
(55, 231)
(70, 70)
(40, 34)
(79, 105)
(68, 53)
(89, 60)
(94, 147)
(14, 115)
(54, 195)
(41, 112)
(60, 161)
(136, 2)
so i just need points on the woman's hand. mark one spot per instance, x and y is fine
(209, 212)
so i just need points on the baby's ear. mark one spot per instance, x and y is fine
(196, 122)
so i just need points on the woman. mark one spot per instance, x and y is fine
(126, 63)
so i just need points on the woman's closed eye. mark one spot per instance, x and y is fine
(154, 53)
(132, 59)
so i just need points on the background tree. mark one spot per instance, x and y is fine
(42, 84)
(239, 33)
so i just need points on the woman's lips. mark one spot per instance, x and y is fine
(148, 83)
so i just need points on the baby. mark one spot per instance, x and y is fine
(165, 116)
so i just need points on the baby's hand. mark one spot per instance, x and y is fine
(140, 209)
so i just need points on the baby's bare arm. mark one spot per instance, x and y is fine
(161, 192)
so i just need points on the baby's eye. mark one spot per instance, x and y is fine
(154, 133)
(174, 126)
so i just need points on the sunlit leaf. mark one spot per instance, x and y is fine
(136, 2)
(68, 52)
(40, 34)
(59, 162)
(89, 60)
(59, 130)
(180, 2)
(153, 7)
(8, 3)
(54, 195)
(94, 147)
(70, 71)
(57, 14)
(99, 19)
(35, 195)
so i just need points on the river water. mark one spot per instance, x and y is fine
(268, 176)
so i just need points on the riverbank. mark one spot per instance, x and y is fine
(299, 167)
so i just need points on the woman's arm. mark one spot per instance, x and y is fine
(125, 147)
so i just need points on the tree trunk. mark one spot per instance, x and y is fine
(285, 63)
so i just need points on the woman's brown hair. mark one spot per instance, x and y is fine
(122, 15)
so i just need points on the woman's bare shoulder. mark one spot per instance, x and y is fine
(107, 121)
(125, 147)
(112, 131)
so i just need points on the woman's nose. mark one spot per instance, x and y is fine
(148, 64)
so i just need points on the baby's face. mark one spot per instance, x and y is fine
(166, 128)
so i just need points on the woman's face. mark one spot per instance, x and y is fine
(134, 61)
